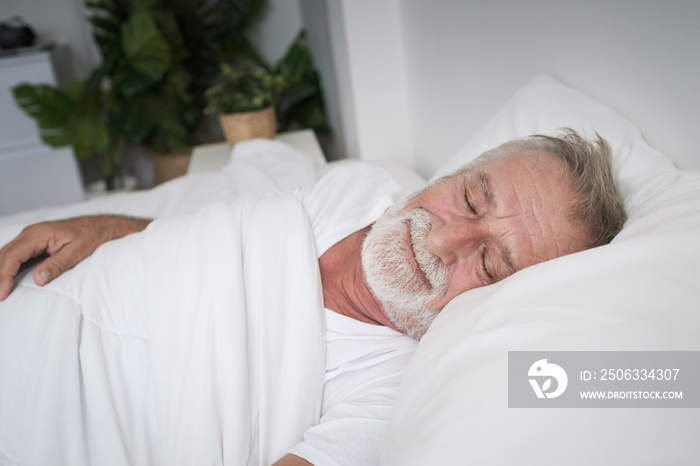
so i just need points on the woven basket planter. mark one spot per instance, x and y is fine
(248, 125)
(171, 165)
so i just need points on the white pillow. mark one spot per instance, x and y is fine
(638, 293)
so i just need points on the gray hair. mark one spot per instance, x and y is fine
(597, 206)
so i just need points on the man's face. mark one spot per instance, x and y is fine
(469, 230)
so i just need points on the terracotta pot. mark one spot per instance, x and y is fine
(170, 165)
(248, 125)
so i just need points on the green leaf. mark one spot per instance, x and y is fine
(55, 137)
(301, 102)
(38, 100)
(74, 90)
(170, 30)
(237, 45)
(89, 135)
(131, 119)
(133, 81)
(297, 63)
(295, 94)
(245, 12)
(66, 118)
(143, 44)
(176, 84)
(145, 4)
(108, 27)
(86, 127)
(50, 107)
(245, 90)
(106, 68)
(312, 116)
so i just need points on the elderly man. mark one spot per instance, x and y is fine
(523, 203)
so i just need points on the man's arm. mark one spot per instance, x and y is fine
(66, 242)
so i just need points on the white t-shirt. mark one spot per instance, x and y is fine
(364, 362)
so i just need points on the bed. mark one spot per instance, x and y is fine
(638, 293)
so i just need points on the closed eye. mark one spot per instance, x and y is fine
(469, 204)
(489, 276)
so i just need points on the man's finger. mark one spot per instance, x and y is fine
(6, 284)
(13, 255)
(26, 246)
(42, 276)
(54, 266)
(9, 267)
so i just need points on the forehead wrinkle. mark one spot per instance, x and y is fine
(556, 237)
(527, 203)
(545, 224)
(540, 239)
(531, 230)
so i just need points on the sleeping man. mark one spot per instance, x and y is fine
(388, 270)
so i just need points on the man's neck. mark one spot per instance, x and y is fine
(345, 288)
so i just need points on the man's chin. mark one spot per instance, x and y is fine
(412, 322)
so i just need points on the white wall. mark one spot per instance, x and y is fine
(369, 52)
(281, 23)
(316, 21)
(464, 58)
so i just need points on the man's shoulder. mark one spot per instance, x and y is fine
(348, 197)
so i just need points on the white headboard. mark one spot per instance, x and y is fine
(420, 77)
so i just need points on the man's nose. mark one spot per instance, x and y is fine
(452, 239)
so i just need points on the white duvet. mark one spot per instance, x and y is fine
(197, 341)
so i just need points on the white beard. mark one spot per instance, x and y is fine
(391, 274)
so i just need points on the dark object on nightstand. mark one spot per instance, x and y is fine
(15, 33)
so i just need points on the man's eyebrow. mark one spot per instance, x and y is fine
(484, 181)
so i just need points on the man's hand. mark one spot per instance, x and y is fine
(66, 242)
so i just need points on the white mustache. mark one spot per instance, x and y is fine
(404, 292)
(419, 227)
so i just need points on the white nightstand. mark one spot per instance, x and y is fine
(211, 157)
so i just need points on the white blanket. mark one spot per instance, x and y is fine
(197, 341)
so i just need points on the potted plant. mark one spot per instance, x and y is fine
(74, 118)
(250, 92)
(151, 95)
(245, 102)
(161, 96)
